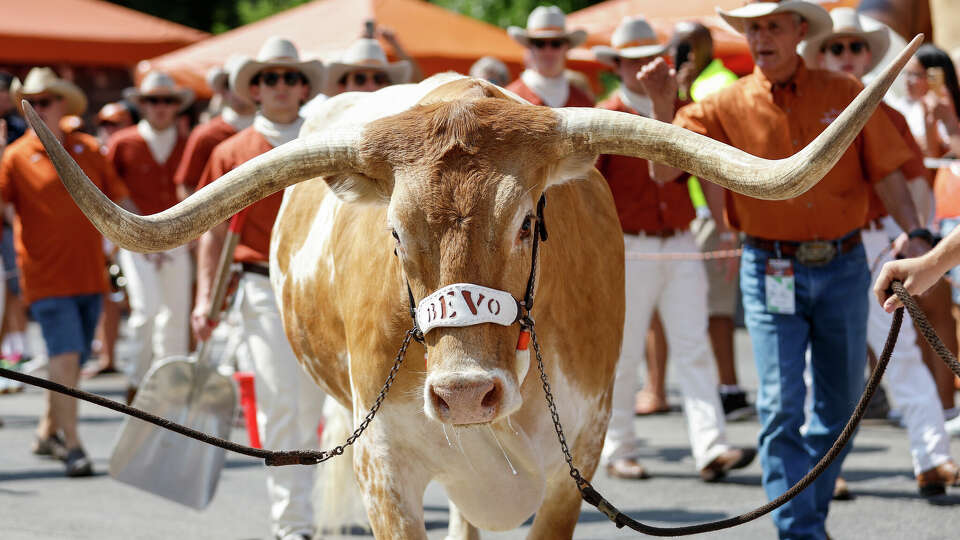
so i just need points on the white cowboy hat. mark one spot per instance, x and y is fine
(846, 23)
(546, 22)
(276, 52)
(159, 84)
(634, 38)
(217, 78)
(42, 80)
(366, 53)
(818, 20)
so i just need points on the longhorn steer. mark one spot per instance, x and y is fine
(453, 167)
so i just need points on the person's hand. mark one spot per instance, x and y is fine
(906, 247)
(917, 274)
(389, 36)
(659, 81)
(727, 240)
(201, 325)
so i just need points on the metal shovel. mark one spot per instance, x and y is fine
(190, 392)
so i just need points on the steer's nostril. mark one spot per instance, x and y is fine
(491, 398)
(438, 402)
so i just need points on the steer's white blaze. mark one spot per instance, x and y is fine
(316, 249)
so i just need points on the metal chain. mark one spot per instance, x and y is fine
(324, 455)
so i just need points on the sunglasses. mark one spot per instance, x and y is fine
(379, 78)
(856, 47)
(42, 103)
(161, 100)
(271, 78)
(552, 43)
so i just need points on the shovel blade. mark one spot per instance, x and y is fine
(166, 463)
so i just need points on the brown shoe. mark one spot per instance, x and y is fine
(841, 491)
(933, 482)
(735, 458)
(627, 468)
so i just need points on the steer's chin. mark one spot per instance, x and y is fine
(471, 398)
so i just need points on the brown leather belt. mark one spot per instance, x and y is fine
(814, 253)
(255, 268)
(663, 233)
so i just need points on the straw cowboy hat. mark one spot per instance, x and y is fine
(634, 38)
(366, 53)
(42, 80)
(546, 22)
(276, 52)
(846, 23)
(159, 84)
(818, 20)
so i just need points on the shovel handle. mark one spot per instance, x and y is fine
(222, 276)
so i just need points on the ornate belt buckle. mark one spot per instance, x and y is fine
(817, 253)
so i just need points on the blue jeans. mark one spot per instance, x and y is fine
(830, 318)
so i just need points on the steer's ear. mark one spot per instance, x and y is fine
(570, 166)
(356, 187)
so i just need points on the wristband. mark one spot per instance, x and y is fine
(923, 234)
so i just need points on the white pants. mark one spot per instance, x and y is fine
(159, 320)
(678, 289)
(289, 406)
(911, 385)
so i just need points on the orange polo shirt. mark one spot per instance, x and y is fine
(642, 204)
(60, 253)
(946, 192)
(254, 245)
(576, 98)
(775, 121)
(911, 169)
(150, 183)
(203, 139)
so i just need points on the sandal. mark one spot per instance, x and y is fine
(53, 446)
(647, 403)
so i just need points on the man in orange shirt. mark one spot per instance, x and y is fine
(803, 272)
(851, 49)
(235, 115)
(548, 41)
(145, 157)
(289, 403)
(656, 220)
(60, 253)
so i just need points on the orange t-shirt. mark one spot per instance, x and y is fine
(576, 98)
(776, 121)
(642, 204)
(911, 169)
(150, 183)
(946, 192)
(203, 139)
(254, 245)
(60, 252)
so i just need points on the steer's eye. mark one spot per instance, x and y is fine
(395, 235)
(527, 228)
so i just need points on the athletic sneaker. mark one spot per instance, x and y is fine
(78, 464)
(735, 406)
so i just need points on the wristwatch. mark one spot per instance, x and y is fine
(923, 234)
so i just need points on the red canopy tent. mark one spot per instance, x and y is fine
(85, 32)
(601, 20)
(438, 39)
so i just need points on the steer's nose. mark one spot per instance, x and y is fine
(465, 400)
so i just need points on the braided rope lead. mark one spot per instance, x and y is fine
(593, 497)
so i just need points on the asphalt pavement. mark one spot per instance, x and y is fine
(38, 502)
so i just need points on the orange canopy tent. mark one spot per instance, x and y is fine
(601, 20)
(85, 32)
(438, 39)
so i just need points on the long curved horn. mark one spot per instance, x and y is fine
(308, 157)
(608, 132)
